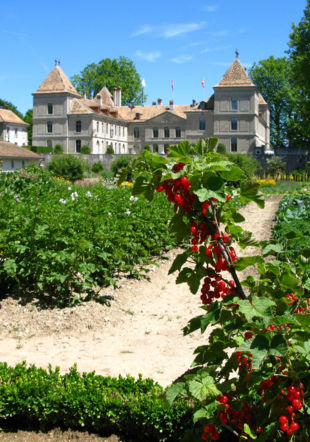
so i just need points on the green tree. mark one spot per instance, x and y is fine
(28, 119)
(276, 165)
(7, 105)
(68, 167)
(300, 59)
(273, 79)
(112, 73)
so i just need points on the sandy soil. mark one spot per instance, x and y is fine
(141, 332)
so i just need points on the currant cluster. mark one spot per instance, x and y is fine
(214, 289)
(293, 396)
(210, 432)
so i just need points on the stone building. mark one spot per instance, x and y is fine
(12, 128)
(236, 113)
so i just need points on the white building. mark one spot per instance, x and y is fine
(13, 157)
(12, 128)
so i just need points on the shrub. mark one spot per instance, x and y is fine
(147, 147)
(247, 163)
(68, 167)
(276, 165)
(134, 409)
(97, 167)
(108, 174)
(119, 163)
(41, 149)
(58, 149)
(85, 150)
(221, 148)
(110, 149)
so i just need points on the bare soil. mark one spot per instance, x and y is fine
(141, 332)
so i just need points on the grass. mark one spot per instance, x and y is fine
(282, 187)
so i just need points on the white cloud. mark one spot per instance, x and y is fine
(181, 59)
(211, 8)
(148, 56)
(169, 30)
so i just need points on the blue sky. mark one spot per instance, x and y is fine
(183, 41)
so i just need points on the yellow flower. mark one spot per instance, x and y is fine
(126, 183)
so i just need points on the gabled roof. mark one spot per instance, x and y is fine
(78, 107)
(235, 76)
(8, 116)
(106, 96)
(261, 99)
(10, 150)
(56, 81)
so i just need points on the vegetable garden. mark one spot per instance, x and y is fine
(250, 380)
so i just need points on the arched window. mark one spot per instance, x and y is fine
(78, 126)
(136, 132)
(155, 132)
(202, 124)
(49, 127)
(166, 132)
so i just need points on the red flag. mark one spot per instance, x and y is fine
(203, 82)
(172, 84)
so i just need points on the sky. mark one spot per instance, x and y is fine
(182, 41)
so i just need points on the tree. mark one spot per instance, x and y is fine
(300, 59)
(28, 119)
(7, 105)
(276, 165)
(273, 79)
(112, 73)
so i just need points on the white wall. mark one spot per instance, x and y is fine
(16, 135)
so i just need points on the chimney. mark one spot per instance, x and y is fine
(84, 95)
(117, 96)
(154, 103)
(159, 101)
(171, 103)
(99, 100)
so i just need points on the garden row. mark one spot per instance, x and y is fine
(59, 241)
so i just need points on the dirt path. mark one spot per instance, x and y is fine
(140, 333)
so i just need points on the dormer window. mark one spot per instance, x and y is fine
(49, 108)
(137, 116)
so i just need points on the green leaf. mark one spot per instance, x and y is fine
(179, 150)
(192, 325)
(10, 267)
(303, 320)
(203, 388)
(175, 390)
(214, 182)
(278, 346)
(243, 263)
(249, 191)
(184, 275)
(288, 280)
(205, 194)
(259, 308)
(235, 174)
(272, 249)
(205, 413)
(247, 430)
(178, 262)
(178, 226)
(237, 217)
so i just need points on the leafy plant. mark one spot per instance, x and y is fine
(110, 149)
(97, 167)
(276, 165)
(58, 149)
(67, 166)
(85, 149)
(247, 163)
(119, 163)
(252, 375)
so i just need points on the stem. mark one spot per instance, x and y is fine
(231, 430)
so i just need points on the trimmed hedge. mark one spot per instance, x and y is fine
(41, 149)
(133, 409)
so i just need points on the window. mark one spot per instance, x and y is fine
(155, 148)
(234, 124)
(155, 132)
(97, 126)
(202, 124)
(166, 132)
(111, 130)
(15, 132)
(49, 108)
(12, 164)
(233, 145)
(234, 104)
(78, 126)
(166, 148)
(78, 146)
(136, 132)
(178, 132)
(23, 163)
(49, 127)
(49, 143)
(123, 131)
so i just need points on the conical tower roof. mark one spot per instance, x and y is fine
(106, 96)
(235, 76)
(56, 81)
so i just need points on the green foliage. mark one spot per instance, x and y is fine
(28, 119)
(273, 79)
(68, 167)
(62, 243)
(85, 149)
(58, 149)
(247, 163)
(110, 149)
(120, 162)
(107, 174)
(97, 167)
(221, 148)
(276, 165)
(112, 73)
(133, 409)
(41, 149)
